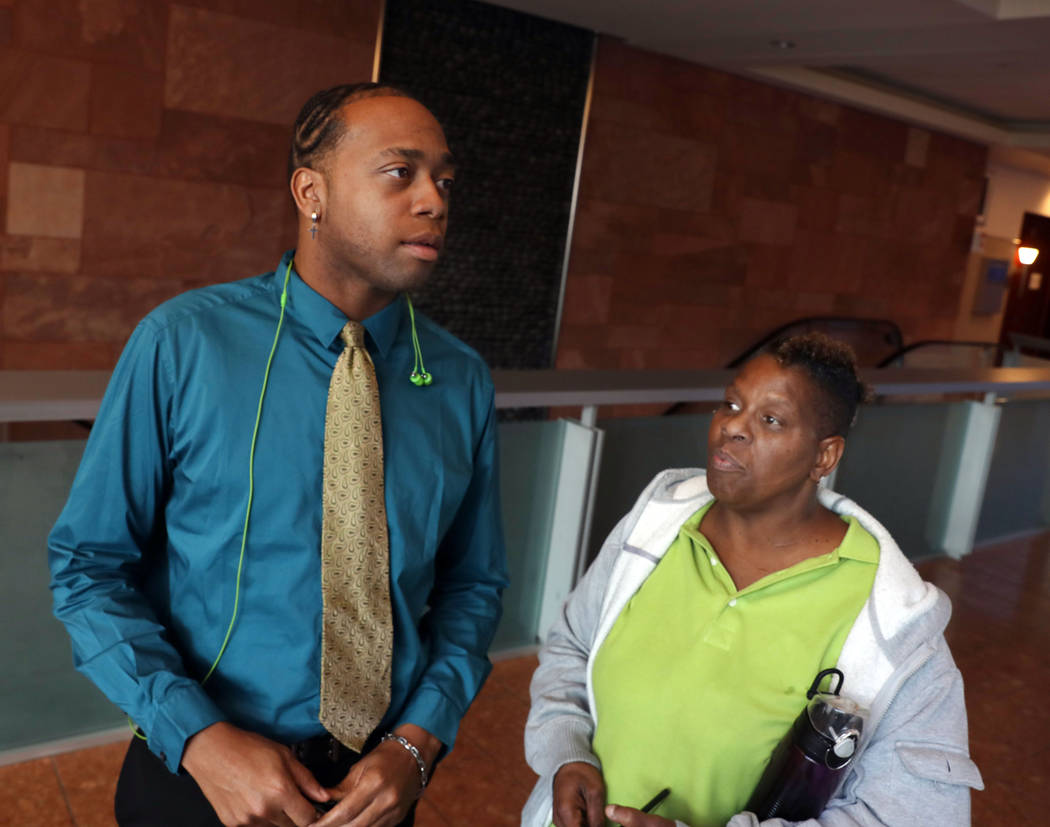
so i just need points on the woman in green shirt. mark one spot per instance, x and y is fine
(685, 653)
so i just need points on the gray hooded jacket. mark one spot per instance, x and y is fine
(912, 766)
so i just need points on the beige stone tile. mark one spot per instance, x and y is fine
(45, 201)
(225, 65)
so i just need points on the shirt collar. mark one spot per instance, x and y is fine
(326, 320)
(857, 543)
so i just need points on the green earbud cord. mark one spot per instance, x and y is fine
(251, 494)
(418, 377)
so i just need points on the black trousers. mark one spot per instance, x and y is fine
(148, 795)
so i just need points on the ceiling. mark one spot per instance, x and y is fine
(975, 68)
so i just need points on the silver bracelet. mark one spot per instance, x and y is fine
(390, 736)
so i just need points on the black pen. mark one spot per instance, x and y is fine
(656, 800)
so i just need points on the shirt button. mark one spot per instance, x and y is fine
(732, 602)
(714, 561)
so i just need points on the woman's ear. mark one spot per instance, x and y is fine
(308, 191)
(829, 452)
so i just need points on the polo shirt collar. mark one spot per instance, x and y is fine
(326, 320)
(857, 543)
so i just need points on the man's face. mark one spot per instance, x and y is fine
(387, 181)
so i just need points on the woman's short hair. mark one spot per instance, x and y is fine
(832, 367)
(318, 128)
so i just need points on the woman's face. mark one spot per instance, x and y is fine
(763, 445)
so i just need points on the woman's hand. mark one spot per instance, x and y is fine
(630, 817)
(579, 796)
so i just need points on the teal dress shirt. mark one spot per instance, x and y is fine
(144, 555)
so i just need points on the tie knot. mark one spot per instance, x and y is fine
(353, 334)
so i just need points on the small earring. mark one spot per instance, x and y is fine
(313, 217)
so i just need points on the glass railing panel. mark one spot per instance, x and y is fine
(42, 697)
(890, 468)
(529, 457)
(636, 450)
(1017, 496)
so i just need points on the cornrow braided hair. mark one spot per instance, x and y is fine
(318, 127)
(832, 368)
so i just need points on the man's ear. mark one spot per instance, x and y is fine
(829, 452)
(309, 192)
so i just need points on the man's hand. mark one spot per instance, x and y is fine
(380, 789)
(630, 817)
(249, 780)
(579, 795)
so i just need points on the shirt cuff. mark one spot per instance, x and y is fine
(184, 712)
(432, 710)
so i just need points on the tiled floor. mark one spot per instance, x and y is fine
(1000, 634)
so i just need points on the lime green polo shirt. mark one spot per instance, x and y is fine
(698, 681)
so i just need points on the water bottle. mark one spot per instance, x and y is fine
(807, 764)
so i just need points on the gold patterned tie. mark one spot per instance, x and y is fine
(358, 633)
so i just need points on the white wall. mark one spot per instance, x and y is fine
(1011, 193)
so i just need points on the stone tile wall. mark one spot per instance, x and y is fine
(142, 152)
(142, 147)
(714, 208)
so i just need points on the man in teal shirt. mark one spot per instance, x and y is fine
(146, 556)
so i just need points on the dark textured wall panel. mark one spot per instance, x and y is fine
(510, 91)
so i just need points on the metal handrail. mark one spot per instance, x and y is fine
(31, 396)
(894, 358)
(525, 388)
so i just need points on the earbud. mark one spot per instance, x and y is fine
(419, 376)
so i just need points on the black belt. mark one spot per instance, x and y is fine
(326, 758)
(321, 748)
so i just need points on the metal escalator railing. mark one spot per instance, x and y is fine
(871, 339)
(945, 353)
